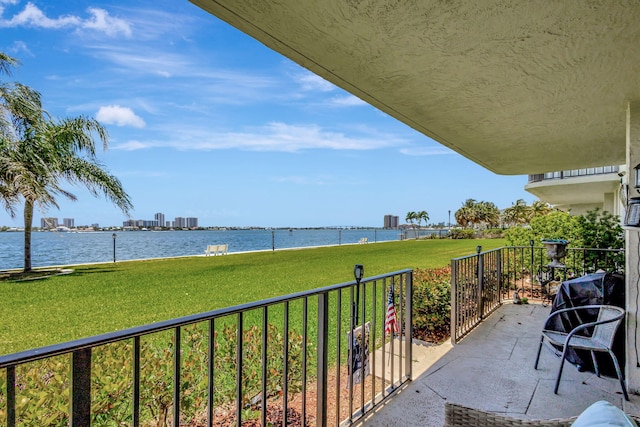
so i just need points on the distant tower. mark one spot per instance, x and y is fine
(192, 222)
(179, 222)
(391, 221)
(46, 223)
(68, 222)
(159, 219)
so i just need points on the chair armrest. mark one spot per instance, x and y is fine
(566, 310)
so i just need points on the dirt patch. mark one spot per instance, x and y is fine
(20, 276)
(337, 401)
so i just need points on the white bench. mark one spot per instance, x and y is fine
(216, 249)
(363, 240)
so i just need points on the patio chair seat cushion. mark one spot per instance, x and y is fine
(601, 414)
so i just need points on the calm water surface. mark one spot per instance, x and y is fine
(49, 248)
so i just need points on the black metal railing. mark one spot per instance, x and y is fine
(480, 282)
(275, 361)
(573, 173)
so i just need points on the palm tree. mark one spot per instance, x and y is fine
(38, 154)
(466, 215)
(411, 218)
(539, 208)
(518, 213)
(6, 62)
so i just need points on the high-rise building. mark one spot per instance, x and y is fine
(192, 222)
(159, 217)
(179, 222)
(68, 222)
(391, 221)
(46, 223)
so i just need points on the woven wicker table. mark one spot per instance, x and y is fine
(461, 416)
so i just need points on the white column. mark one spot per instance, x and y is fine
(632, 265)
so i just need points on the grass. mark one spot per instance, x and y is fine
(106, 297)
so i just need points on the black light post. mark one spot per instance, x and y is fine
(358, 273)
(449, 219)
(114, 246)
(273, 240)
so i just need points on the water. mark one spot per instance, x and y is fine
(49, 248)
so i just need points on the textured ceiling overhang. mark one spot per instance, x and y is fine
(516, 86)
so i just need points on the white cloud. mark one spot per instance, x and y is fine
(272, 137)
(313, 82)
(102, 22)
(119, 116)
(32, 16)
(347, 101)
(132, 146)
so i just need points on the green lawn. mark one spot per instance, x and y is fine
(107, 297)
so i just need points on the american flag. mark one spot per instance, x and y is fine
(391, 321)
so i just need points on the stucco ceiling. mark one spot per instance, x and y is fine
(516, 86)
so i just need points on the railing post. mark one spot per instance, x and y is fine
(323, 354)
(11, 396)
(454, 302)
(408, 325)
(480, 282)
(499, 273)
(81, 388)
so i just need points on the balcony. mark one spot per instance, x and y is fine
(492, 369)
(297, 354)
(579, 190)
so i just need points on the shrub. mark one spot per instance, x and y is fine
(462, 233)
(432, 304)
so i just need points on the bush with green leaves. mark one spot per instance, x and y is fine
(432, 304)
(462, 233)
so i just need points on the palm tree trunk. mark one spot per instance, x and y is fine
(28, 221)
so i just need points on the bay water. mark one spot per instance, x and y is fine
(69, 248)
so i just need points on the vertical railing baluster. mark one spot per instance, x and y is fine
(81, 388)
(350, 358)
(338, 349)
(11, 396)
(176, 376)
(239, 332)
(322, 356)
(409, 325)
(384, 335)
(392, 350)
(364, 349)
(285, 372)
(304, 361)
(454, 301)
(402, 331)
(265, 343)
(211, 354)
(481, 285)
(373, 341)
(135, 416)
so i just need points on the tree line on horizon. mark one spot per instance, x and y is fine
(482, 214)
(39, 153)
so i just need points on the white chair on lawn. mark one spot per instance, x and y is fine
(601, 340)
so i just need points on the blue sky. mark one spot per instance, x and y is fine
(205, 121)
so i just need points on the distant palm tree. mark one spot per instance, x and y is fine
(38, 154)
(467, 214)
(411, 218)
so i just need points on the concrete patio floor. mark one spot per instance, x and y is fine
(492, 369)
